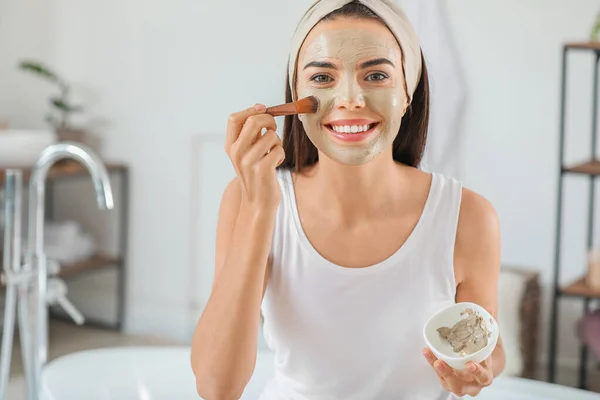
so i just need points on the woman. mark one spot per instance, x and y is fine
(336, 237)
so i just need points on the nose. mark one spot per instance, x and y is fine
(350, 95)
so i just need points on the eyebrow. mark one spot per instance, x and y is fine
(377, 61)
(366, 64)
(320, 64)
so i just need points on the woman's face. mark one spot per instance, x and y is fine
(354, 68)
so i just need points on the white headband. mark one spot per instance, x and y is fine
(393, 16)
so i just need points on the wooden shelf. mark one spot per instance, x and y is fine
(580, 289)
(583, 45)
(588, 168)
(63, 169)
(95, 262)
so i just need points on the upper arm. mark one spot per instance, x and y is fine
(228, 213)
(477, 261)
(477, 257)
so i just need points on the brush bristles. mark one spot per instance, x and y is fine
(307, 105)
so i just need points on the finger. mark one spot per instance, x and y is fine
(471, 390)
(236, 121)
(468, 373)
(275, 156)
(487, 363)
(431, 359)
(262, 147)
(453, 382)
(444, 370)
(429, 356)
(252, 129)
(450, 381)
(483, 375)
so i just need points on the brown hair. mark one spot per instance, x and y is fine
(409, 144)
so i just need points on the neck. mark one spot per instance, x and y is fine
(355, 192)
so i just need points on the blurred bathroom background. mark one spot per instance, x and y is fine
(151, 84)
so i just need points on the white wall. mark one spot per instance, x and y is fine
(159, 76)
(25, 28)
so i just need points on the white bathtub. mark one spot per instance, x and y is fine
(134, 373)
(163, 373)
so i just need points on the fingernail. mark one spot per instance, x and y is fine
(472, 367)
(260, 107)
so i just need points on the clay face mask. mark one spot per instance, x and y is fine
(350, 91)
(468, 335)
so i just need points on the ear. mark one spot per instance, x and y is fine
(406, 106)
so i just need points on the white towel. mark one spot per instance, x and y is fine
(80, 249)
(62, 233)
(66, 243)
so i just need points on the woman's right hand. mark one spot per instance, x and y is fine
(255, 155)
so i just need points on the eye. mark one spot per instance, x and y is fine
(376, 76)
(321, 78)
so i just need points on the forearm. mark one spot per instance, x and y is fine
(224, 343)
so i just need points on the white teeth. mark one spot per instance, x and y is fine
(350, 129)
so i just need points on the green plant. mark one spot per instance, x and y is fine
(61, 108)
(595, 34)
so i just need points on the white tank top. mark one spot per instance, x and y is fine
(356, 333)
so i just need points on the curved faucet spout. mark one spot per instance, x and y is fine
(70, 150)
(36, 259)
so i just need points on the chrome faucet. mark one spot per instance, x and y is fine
(29, 281)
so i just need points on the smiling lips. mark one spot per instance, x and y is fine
(351, 130)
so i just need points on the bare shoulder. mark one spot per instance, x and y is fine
(476, 212)
(477, 247)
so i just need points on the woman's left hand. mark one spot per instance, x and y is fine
(469, 381)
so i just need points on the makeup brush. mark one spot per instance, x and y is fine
(307, 105)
